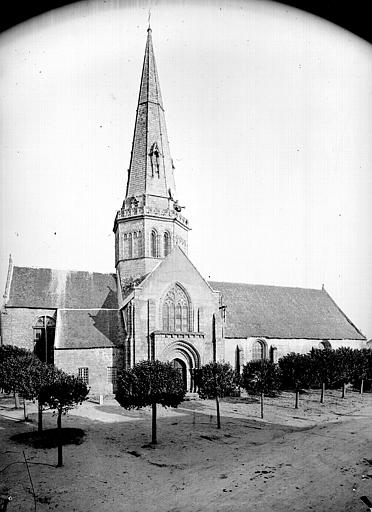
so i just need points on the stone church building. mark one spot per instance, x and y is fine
(157, 304)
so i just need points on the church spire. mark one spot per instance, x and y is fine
(150, 222)
(151, 166)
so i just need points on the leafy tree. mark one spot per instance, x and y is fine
(344, 367)
(17, 366)
(324, 368)
(296, 373)
(216, 380)
(22, 373)
(149, 383)
(362, 370)
(62, 392)
(261, 378)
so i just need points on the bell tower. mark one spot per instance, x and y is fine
(149, 224)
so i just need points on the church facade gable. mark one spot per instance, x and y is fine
(173, 314)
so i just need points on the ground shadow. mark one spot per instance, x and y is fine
(49, 438)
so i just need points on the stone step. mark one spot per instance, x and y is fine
(192, 396)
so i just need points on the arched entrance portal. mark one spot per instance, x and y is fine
(185, 358)
(181, 367)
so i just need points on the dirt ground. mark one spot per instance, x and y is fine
(318, 457)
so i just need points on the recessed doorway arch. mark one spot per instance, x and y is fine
(187, 360)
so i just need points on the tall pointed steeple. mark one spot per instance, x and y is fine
(149, 224)
(151, 167)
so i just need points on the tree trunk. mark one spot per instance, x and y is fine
(297, 396)
(361, 386)
(262, 405)
(59, 435)
(218, 412)
(343, 390)
(154, 438)
(16, 400)
(39, 417)
(322, 393)
(25, 410)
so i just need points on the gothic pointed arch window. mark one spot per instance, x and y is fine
(176, 310)
(166, 243)
(130, 245)
(44, 332)
(139, 244)
(154, 244)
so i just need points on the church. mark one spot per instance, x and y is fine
(157, 304)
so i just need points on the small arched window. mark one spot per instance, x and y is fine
(166, 243)
(176, 310)
(258, 350)
(154, 244)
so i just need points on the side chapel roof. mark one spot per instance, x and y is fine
(283, 312)
(49, 288)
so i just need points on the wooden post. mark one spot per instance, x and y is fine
(16, 400)
(322, 393)
(218, 412)
(25, 410)
(361, 386)
(154, 438)
(262, 405)
(343, 390)
(39, 417)
(59, 435)
(297, 396)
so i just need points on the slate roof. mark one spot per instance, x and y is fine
(88, 329)
(282, 312)
(52, 289)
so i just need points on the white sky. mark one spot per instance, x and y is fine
(268, 112)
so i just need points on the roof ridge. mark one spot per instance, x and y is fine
(266, 285)
(66, 270)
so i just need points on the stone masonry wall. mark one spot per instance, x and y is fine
(97, 361)
(17, 325)
(283, 347)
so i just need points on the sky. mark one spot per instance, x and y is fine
(268, 112)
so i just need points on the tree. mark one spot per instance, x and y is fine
(17, 366)
(324, 368)
(216, 380)
(149, 383)
(295, 370)
(362, 370)
(62, 392)
(261, 378)
(344, 367)
(22, 373)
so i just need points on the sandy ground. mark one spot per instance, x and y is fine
(317, 458)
